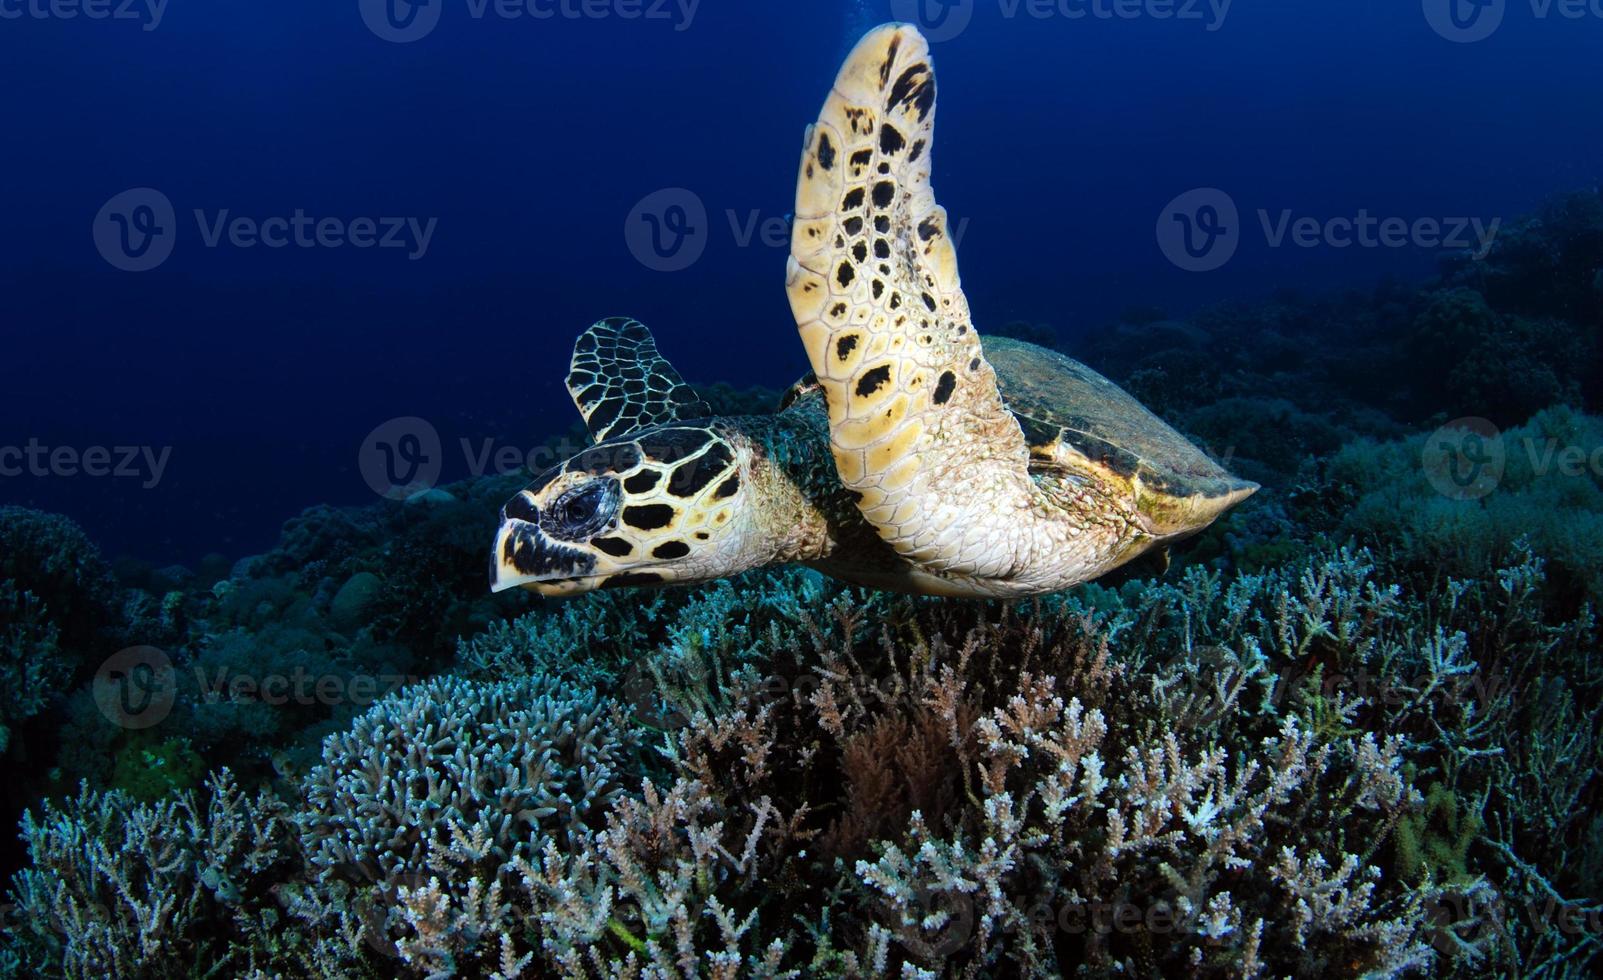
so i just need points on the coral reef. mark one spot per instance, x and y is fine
(1548, 498)
(432, 799)
(50, 557)
(32, 665)
(127, 889)
(1306, 770)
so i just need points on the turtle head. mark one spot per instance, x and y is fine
(663, 506)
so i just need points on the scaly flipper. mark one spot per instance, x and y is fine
(917, 425)
(621, 384)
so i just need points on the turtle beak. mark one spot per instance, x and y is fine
(515, 538)
(524, 556)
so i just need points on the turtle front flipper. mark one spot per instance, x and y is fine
(622, 385)
(917, 426)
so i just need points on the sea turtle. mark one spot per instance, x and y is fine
(914, 457)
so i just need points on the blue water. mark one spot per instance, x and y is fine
(524, 144)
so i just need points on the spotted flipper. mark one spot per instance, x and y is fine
(621, 384)
(917, 426)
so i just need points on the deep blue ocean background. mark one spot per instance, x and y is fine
(530, 141)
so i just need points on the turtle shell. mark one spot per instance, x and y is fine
(1075, 418)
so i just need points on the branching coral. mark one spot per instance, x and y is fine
(427, 804)
(125, 889)
(1211, 777)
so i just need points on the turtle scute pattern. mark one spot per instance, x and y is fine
(678, 481)
(622, 384)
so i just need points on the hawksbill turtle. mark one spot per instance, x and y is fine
(914, 456)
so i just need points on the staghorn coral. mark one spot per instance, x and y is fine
(1213, 776)
(426, 804)
(126, 889)
(1211, 783)
(587, 641)
(777, 793)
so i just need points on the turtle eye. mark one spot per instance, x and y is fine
(582, 511)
